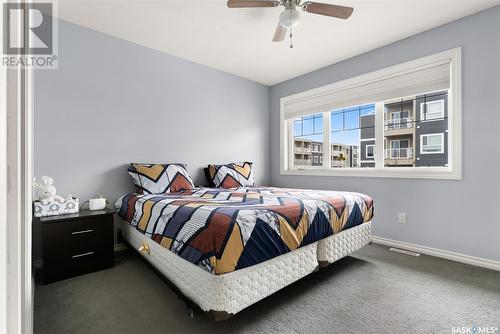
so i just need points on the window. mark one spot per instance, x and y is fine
(370, 151)
(402, 121)
(432, 143)
(406, 119)
(308, 139)
(347, 127)
(432, 110)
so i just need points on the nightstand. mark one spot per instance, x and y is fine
(76, 244)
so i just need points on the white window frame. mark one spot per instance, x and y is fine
(423, 118)
(454, 169)
(366, 151)
(441, 134)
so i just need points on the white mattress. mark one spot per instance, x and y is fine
(237, 290)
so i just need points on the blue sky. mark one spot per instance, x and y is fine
(344, 125)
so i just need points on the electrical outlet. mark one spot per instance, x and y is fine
(402, 218)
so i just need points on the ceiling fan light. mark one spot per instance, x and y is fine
(289, 18)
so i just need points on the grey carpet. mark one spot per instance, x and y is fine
(373, 291)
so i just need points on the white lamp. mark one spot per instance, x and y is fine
(289, 18)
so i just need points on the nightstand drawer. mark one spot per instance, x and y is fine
(71, 238)
(87, 262)
(89, 235)
(77, 264)
(77, 246)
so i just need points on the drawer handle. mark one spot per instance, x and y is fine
(83, 254)
(81, 232)
(144, 248)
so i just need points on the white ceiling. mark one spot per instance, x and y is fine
(238, 41)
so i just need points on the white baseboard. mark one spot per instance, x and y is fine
(475, 261)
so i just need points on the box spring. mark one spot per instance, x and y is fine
(225, 295)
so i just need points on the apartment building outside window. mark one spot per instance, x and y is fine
(345, 135)
(410, 123)
(308, 140)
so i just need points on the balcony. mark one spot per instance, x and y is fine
(400, 126)
(302, 150)
(399, 153)
(398, 156)
(302, 162)
(336, 163)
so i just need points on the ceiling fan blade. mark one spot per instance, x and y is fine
(340, 12)
(251, 3)
(279, 34)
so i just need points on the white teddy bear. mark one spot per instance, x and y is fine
(46, 192)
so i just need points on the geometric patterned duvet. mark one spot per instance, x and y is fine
(223, 230)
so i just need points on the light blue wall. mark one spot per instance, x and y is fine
(112, 102)
(460, 216)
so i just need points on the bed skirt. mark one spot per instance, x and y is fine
(224, 295)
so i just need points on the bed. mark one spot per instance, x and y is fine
(225, 249)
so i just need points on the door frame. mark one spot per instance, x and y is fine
(16, 145)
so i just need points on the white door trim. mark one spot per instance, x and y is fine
(18, 202)
(4, 305)
(16, 281)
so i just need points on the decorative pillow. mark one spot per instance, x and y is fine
(160, 178)
(237, 174)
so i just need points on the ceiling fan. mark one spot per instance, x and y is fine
(289, 18)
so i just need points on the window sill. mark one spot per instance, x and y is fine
(432, 173)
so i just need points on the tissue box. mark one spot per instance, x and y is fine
(70, 205)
